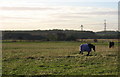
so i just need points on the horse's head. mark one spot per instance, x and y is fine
(91, 46)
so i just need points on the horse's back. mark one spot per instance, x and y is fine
(85, 47)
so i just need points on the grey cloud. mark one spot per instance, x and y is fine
(98, 13)
(26, 8)
(72, 16)
(68, 16)
(83, 15)
(7, 17)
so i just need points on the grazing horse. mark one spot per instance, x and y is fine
(87, 47)
(111, 44)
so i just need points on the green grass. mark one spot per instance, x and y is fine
(57, 58)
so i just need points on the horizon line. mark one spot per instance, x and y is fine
(63, 30)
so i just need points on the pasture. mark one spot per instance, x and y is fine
(57, 58)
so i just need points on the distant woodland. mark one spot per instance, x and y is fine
(58, 35)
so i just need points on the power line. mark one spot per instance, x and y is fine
(81, 27)
(104, 25)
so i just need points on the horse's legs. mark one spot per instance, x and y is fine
(81, 52)
(88, 53)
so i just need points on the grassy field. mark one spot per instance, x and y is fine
(57, 58)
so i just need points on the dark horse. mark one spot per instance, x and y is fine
(111, 44)
(87, 47)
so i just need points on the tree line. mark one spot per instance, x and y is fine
(58, 35)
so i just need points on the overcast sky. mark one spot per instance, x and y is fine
(58, 14)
